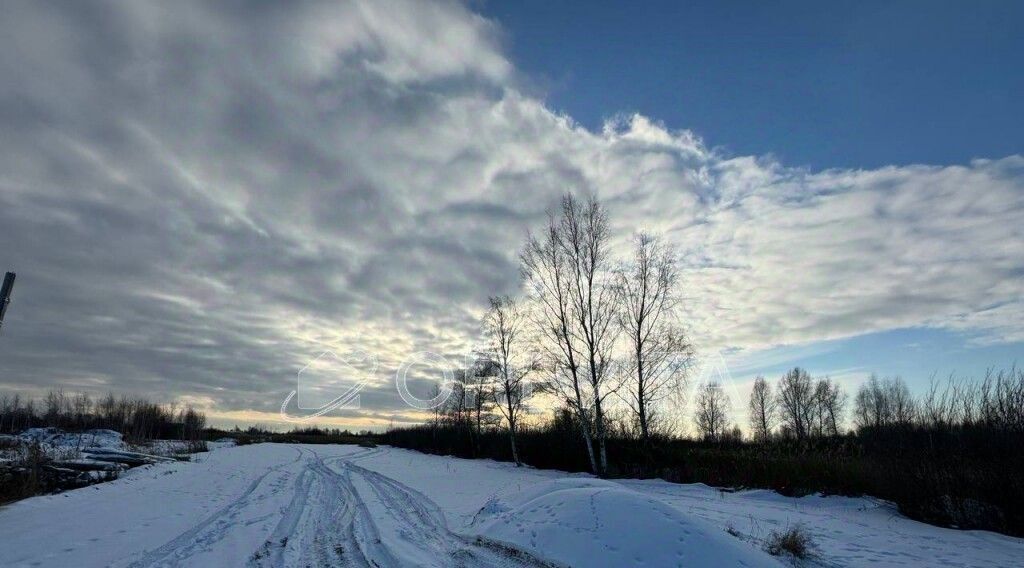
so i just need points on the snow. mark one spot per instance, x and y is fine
(92, 444)
(57, 439)
(290, 505)
(571, 519)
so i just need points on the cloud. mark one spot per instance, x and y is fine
(198, 198)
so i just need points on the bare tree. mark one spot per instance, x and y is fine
(796, 402)
(711, 413)
(884, 402)
(763, 410)
(585, 240)
(1000, 400)
(546, 272)
(902, 406)
(829, 401)
(503, 327)
(480, 379)
(659, 351)
(570, 277)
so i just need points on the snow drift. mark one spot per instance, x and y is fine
(598, 523)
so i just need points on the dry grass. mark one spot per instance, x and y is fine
(794, 541)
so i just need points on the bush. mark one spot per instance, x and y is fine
(793, 541)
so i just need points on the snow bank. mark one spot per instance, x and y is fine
(596, 523)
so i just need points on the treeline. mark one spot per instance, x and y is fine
(138, 419)
(297, 435)
(951, 456)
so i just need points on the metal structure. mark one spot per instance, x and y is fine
(5, 295)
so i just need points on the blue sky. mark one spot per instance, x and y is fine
(918, 355)
(821, 85)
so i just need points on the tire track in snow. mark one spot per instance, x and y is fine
(274, 547)
(417, 520)
(318, 528)
(212, 529)
(341, 514)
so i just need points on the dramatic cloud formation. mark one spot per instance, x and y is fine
(198, 198)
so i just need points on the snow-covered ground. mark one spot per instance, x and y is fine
(288, 505)
(57, 443)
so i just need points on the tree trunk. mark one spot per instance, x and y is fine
(515, 450)
(588, 441)
(602, 448)
(641, 395)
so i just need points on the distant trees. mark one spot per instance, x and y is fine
(657, 349)
(711, 416)
(796, 402)
(883, 402)
(762, 410)
(803, 406)
(956, 462)
(16, 413)
(829, 403)
(479, 383)
(137, 418)
(192, 423)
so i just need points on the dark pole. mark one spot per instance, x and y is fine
(5, 295)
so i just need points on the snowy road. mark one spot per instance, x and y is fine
(312, 508)
(283, 505)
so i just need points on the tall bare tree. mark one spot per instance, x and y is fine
(659, 353)
(569, 274)
(546, 272)
(711, 414)
(763, 410)
(796, 402)
(585, 237)
(503, 327)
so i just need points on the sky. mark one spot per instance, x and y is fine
(822, 85)
(201, 199)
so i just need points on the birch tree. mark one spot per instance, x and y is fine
(503, 327)
(711, 414)
(796, 402)
(584, 238)
(763, 409)
(546, 273)
(658, 350)
(568, 273)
